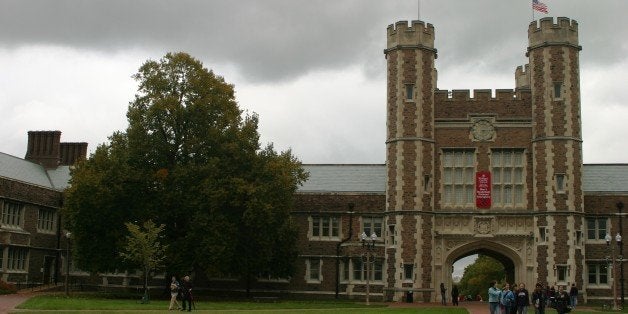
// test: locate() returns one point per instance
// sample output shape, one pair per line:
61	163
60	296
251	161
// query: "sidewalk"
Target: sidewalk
10	301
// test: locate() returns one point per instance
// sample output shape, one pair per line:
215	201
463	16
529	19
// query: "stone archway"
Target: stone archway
511	258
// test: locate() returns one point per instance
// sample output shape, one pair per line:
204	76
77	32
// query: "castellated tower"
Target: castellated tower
556	148
411	76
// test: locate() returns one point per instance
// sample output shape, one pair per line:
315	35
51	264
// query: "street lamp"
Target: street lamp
620	206
611	259
68	235
368	244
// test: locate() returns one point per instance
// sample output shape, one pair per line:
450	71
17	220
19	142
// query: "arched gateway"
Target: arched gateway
500	175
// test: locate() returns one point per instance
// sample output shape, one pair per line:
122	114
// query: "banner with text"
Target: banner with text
483	189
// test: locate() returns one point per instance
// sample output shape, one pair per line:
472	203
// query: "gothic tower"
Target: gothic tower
411	76
556	149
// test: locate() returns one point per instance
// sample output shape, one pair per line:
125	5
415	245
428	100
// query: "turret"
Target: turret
522	77
410	149
556	144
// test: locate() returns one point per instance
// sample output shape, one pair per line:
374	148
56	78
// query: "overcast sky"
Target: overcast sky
314	71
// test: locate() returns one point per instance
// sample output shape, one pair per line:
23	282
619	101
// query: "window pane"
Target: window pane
603	273
518	176
519	194
458	179
497	175
325	223
518	159
447	176
469	159
496	160
334	226
316	225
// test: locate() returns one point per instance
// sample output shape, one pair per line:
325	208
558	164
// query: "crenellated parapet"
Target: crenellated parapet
481	95
417	34
546	33
522	76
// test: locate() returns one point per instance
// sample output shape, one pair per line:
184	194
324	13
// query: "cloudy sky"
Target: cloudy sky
313	70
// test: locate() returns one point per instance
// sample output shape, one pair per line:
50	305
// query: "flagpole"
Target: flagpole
532	7
419	10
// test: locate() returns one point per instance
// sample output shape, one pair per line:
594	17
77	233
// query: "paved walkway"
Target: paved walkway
10	301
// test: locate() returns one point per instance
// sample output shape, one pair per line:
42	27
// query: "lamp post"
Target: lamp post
620	206
611	259
368	244
68	235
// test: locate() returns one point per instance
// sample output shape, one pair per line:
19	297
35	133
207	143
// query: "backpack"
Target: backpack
507	299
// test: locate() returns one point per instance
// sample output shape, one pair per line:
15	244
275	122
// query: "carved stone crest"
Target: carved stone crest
482	130
484	225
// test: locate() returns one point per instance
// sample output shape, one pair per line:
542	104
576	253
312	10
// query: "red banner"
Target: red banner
483	189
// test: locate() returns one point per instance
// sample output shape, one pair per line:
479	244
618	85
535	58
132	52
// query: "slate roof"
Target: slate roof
609	178
325	178
605	178
18	169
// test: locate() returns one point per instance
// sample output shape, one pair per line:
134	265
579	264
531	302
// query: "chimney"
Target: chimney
72	152
43	148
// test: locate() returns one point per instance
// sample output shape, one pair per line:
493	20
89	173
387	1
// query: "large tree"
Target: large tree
191	160
478	276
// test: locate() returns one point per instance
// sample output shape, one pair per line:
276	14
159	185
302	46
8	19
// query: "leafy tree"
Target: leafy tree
144	249
477	276
191	160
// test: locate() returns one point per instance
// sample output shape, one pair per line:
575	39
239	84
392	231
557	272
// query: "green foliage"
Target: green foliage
190	160
143	247
478	276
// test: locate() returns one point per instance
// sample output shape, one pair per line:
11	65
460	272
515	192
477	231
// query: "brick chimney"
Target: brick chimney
72	152
43	148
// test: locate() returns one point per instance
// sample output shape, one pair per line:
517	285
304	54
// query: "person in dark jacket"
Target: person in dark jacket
454	295
522	299
573	295
186	293
539	299
562	301
443	294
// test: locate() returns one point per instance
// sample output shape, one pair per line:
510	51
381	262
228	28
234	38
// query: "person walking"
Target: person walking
493	298
562	301
539	299
454	295
522	299
186	293
573	295
174	292
443	294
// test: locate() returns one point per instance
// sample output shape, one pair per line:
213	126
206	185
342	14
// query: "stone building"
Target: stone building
498	174
32	242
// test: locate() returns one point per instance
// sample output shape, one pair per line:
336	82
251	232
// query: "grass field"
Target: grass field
99	304
103	303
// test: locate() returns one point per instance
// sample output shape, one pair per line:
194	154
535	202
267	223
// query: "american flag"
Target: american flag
539	6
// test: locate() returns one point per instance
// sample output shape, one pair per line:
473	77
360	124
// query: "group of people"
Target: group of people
517	300
180	290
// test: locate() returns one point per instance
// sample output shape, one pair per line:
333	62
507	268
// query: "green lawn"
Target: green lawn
98	304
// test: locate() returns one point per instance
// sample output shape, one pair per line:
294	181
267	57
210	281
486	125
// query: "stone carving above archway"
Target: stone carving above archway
483	226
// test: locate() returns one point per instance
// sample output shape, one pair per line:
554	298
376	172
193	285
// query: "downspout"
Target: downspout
351	205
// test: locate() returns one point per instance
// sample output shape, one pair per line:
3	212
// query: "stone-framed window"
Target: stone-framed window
597	228
562	274
598	274
508	178
408	272
458	167
558	90
409	92
313	270
373	224
17	259
12	214
324	228
560	182
46	220
359	270
542	235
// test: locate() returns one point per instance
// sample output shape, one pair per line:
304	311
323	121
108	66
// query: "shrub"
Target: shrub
7	288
